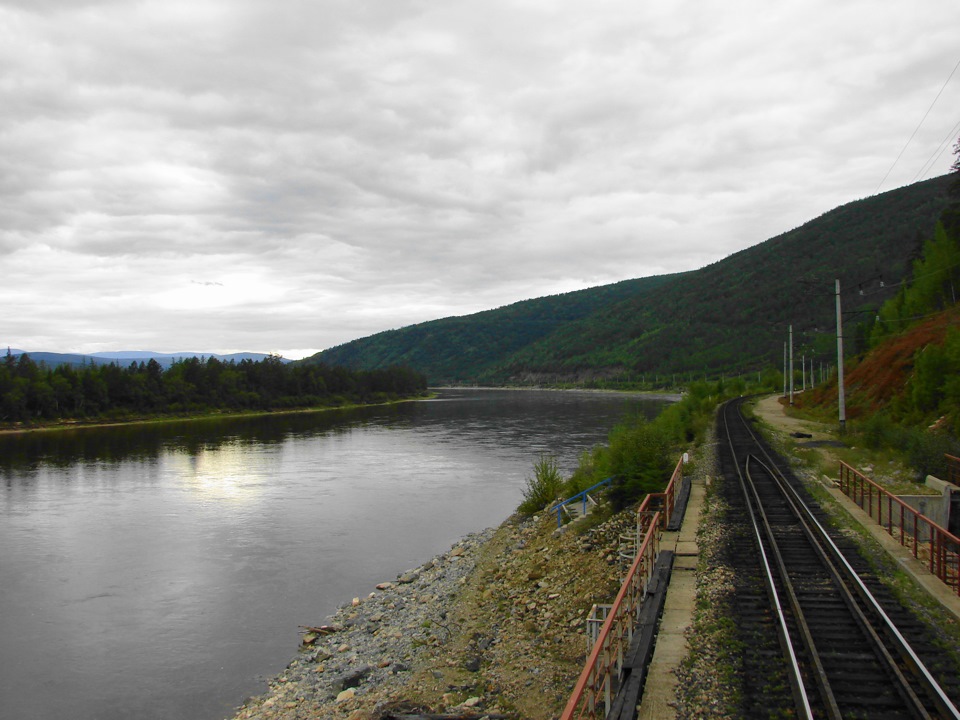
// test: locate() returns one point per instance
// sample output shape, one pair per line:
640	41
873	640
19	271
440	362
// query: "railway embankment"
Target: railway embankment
709	679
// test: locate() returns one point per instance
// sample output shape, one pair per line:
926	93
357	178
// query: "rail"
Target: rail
597	685
928	541
561	506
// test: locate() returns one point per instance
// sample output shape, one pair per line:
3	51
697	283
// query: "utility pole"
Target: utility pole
784	369
840	393
791	366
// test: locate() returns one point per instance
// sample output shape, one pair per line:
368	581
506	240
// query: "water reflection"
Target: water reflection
106	445
225	474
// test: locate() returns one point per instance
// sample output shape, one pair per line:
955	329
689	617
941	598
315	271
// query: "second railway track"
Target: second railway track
823	637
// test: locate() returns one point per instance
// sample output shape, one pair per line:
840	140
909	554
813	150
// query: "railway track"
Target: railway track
822	636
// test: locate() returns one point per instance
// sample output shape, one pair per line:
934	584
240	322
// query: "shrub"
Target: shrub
879	431
639	459
543	488
927	451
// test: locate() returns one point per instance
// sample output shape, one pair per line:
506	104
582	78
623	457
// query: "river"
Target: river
163	570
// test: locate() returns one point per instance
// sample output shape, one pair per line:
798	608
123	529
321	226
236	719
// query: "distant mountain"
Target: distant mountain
729	317
52	359
166	359
125	357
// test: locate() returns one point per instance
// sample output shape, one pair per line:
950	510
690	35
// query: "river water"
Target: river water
163	571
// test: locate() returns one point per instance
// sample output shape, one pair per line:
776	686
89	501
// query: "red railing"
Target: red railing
598	683
665	501
929	542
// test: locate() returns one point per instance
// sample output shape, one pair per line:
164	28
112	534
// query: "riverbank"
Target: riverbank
191	417
493	626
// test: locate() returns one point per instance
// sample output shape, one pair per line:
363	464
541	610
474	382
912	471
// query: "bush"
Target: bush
927	451
543	488
641	453
639	459
879	431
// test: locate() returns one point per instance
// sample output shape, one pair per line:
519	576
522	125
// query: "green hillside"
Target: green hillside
462	349
731	316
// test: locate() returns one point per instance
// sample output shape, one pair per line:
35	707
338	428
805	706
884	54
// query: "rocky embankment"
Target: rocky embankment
495	626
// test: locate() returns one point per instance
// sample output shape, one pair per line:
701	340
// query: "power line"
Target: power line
856	288
885	287
910	319
944	144
918	126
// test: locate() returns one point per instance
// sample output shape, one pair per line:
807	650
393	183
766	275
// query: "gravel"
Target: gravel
494	626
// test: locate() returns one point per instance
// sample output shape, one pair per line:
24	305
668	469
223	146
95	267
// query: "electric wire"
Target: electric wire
906	281
855	289
918	127
932	160
887	321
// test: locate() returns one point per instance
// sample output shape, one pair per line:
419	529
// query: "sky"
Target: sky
289	175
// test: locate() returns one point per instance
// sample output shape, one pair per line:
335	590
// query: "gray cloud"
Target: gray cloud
242	175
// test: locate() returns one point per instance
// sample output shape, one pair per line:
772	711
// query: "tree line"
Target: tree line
35	392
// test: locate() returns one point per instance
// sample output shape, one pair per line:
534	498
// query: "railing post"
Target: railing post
916	549
903	530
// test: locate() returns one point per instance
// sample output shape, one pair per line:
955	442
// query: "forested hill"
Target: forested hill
462	349
731	316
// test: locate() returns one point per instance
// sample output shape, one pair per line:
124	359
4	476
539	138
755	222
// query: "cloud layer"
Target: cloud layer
225	175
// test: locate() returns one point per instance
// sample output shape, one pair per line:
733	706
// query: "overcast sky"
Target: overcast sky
285	176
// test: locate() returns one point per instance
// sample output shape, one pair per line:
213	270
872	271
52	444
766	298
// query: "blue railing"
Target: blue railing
579	496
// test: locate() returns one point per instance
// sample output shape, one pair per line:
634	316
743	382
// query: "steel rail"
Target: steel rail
936	693
794	672
812	654
846	594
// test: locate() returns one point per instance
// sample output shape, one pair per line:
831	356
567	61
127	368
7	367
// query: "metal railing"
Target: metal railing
929	543
599	680
607	646
582	496
666	501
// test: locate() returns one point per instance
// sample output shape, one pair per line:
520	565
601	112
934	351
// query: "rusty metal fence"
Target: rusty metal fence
599	681
929	542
